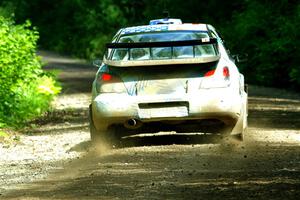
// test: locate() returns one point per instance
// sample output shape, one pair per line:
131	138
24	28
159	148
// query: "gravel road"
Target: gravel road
55	160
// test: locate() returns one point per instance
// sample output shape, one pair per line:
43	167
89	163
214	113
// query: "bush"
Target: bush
25	89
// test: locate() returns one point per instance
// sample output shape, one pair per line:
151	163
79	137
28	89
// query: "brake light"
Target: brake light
106	77
209	73
226	73
219	80
109	83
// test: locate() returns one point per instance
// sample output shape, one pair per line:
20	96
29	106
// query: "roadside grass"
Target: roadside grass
9	137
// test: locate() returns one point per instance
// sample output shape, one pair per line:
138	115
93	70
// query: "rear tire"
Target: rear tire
96	136
110	137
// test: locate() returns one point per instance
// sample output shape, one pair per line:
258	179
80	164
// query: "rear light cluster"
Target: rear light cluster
209	73
226	73
106	77
216	81
109	83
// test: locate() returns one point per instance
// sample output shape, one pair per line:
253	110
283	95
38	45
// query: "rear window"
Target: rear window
161	53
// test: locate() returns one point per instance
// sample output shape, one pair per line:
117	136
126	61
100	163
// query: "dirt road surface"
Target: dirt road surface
55	160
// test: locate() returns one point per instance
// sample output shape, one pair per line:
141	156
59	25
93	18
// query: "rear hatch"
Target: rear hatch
168	79
155	81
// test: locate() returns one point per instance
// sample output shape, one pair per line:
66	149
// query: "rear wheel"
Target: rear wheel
96	136
110	137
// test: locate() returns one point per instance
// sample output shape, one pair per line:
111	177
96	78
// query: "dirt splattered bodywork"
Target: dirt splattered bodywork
159	76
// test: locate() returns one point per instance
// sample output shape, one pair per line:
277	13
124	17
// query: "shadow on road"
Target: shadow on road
75	76
274	119
155	140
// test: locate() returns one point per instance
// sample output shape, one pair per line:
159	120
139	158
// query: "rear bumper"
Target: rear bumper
220	103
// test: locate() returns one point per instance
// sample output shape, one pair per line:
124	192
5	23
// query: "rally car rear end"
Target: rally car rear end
183	86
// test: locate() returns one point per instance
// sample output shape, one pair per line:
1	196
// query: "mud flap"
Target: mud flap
94	134
241	125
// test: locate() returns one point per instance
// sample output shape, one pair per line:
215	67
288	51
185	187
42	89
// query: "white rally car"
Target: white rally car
167	76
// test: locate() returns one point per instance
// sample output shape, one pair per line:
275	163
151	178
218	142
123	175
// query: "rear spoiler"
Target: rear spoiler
203	41
150	62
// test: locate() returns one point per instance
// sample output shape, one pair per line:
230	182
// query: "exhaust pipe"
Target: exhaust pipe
133	124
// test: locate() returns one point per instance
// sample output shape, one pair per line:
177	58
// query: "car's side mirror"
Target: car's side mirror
97	62
240	58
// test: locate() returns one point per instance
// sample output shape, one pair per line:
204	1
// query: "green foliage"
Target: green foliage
7	9
25	90
3	134
77	27
267	31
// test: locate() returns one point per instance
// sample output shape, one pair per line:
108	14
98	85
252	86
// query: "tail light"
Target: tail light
209	73
221	79
226	72
106	77
109	83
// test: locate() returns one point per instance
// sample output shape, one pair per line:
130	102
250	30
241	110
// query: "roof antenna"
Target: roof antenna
166	14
